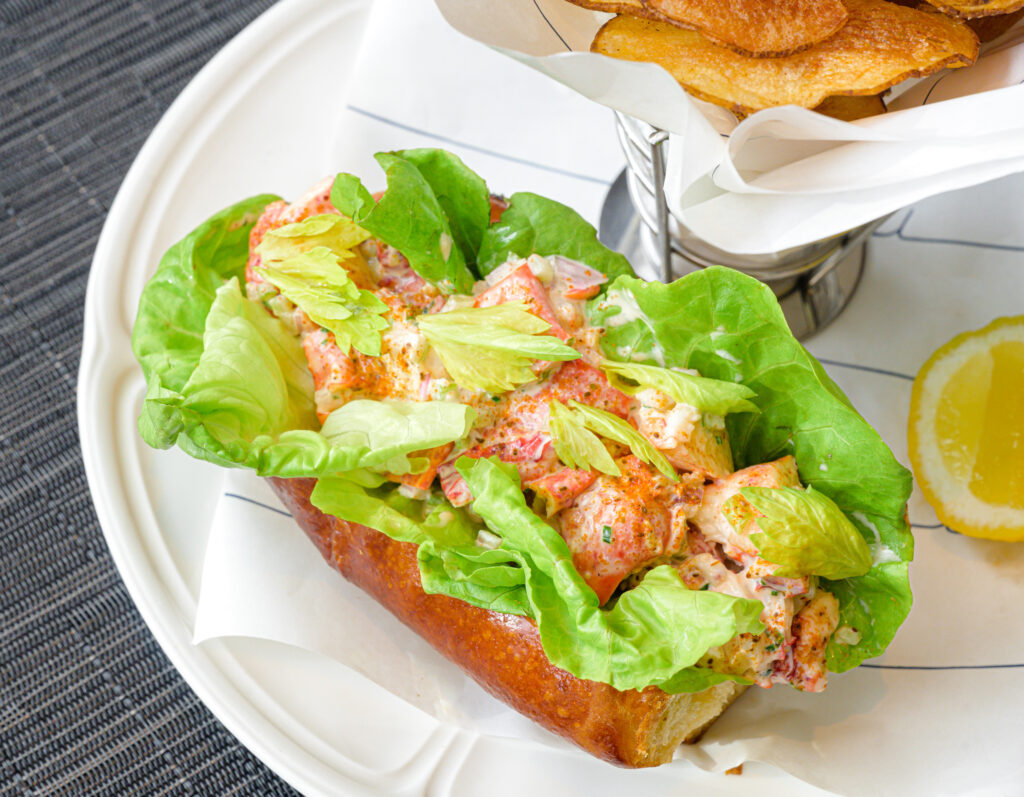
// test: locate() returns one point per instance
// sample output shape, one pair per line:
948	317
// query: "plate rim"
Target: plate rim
104	363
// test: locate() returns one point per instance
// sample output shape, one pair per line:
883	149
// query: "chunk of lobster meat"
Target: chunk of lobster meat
533	457
256	287
813	626
713	520
764	573
689	439
753	656
316	201
621	523
525	413
566	283
575	380
334	371
555	491
454	487
521	285
707	571
434	457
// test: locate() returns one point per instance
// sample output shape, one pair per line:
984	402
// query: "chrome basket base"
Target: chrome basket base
811	299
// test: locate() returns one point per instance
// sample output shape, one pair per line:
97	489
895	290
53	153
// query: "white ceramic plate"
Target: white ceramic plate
255	120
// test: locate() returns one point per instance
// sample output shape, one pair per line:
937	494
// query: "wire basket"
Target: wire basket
813	282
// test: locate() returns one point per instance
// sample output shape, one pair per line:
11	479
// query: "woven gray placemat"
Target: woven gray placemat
89	704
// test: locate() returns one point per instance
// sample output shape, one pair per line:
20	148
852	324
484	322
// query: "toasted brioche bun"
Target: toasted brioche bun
503	653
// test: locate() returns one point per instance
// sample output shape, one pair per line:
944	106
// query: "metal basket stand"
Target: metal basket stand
813	282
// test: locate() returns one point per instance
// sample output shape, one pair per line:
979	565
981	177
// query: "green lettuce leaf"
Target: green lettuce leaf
450	561
252	376
316	282
874	605
652	632
387	431
167	337
410	218
242	407
533	224
460	191
492	348
230	384
576	445
728	326
803	532
614	428
700	392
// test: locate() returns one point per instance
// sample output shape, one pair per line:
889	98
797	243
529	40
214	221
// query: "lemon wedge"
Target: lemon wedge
966	431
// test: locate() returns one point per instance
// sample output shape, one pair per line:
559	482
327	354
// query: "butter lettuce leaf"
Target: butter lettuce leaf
388	431
728	326
228	383
252	376
533	224
654	634
699	392
874	605
410	218
249	403
648	636
450	561
492	348
460	191
167	338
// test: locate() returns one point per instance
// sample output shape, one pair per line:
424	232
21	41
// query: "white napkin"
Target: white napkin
786	176
896	726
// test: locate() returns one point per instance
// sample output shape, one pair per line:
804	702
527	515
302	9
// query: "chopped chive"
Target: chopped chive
606	533
706	586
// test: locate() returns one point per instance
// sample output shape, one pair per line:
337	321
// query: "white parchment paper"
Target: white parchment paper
786	176
940	713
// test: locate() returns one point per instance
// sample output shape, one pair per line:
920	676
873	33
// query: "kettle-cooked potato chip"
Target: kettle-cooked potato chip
758	27
879	46
977	8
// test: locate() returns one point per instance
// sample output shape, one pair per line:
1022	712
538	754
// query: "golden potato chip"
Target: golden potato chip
758	27
849	109
969	9
881	45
